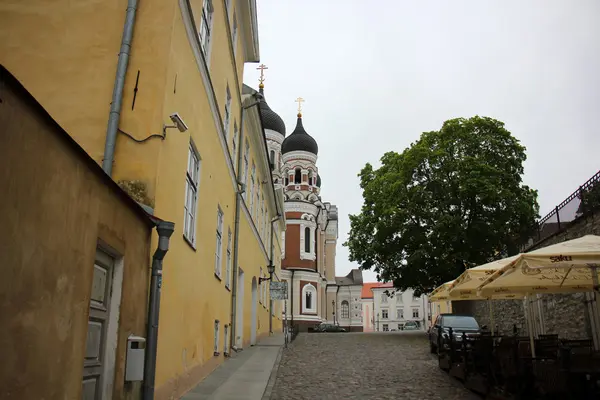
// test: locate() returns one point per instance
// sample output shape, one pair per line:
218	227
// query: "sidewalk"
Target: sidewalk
246	375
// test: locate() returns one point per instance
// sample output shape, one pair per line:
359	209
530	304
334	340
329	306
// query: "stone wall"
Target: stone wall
564	314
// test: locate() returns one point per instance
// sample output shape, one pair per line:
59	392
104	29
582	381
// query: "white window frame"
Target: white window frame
234	33
234	149
416	311
219	243
384	298
385	328
227	112
309	288
228	261
205	28
312	228
246	164
251	194
192	184
345	309
400	313
385	314
216	334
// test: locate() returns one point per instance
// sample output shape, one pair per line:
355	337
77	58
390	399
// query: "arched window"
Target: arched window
345	309
310	177
272	157
307	240
309	296
287	181
298	176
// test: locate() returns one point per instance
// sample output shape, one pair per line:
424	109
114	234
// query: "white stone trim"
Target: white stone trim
313	290
254	230
311	227
299	155
301	206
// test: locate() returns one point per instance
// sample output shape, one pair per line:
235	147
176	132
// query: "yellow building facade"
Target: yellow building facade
190	147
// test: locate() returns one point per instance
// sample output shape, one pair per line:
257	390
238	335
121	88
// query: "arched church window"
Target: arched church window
298	176
272	157
345	309
307	240
287	181
309	295
310	177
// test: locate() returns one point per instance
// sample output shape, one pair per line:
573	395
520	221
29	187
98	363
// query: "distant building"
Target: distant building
392	309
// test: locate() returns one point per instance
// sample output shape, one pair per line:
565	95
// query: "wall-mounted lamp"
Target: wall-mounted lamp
271	269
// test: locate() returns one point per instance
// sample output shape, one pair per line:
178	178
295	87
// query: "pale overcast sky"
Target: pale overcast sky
376	74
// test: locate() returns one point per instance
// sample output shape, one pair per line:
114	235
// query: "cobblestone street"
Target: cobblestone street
364	366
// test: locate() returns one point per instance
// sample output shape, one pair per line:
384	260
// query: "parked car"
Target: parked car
458	323
411	326
323	327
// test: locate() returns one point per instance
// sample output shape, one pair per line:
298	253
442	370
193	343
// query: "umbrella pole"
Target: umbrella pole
491	315
529	318
596	307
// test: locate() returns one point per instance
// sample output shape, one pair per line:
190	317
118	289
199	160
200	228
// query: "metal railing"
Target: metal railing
579	203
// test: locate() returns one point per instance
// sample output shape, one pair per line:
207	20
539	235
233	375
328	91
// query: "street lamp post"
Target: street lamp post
333	310
271	270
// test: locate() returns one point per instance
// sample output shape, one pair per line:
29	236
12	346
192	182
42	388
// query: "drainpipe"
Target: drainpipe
292	295
165	230
117	96
236	231
277	218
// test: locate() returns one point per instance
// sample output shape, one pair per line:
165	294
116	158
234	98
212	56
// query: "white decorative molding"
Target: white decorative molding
299	155
309	288
301	207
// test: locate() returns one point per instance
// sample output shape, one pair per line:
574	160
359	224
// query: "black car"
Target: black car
459	323
323	327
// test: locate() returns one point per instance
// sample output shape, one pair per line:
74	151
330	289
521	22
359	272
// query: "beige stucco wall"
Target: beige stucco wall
57	205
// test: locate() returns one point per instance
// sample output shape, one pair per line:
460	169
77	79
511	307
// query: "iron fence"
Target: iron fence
579	203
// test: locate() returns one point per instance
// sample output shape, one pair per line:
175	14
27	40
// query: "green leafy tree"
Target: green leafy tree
451	201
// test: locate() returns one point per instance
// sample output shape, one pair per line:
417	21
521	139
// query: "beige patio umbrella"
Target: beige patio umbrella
467	284
440	293
567	267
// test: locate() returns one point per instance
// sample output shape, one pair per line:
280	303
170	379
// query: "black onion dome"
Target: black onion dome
270	119
299	140
319	180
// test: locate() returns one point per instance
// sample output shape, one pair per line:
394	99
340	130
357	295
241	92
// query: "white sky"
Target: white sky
376	74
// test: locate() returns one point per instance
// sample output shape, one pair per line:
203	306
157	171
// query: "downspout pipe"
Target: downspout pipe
165	230
117	96
236	230
277	218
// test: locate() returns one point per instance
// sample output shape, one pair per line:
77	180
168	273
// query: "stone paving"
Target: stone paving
394	365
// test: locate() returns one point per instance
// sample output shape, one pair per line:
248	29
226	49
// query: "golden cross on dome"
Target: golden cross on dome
299	100
262	68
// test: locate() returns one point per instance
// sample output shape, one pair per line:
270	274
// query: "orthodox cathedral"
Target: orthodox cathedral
315	295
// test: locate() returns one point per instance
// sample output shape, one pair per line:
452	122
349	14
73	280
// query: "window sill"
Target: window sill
218	277
228	288
189	242
216	354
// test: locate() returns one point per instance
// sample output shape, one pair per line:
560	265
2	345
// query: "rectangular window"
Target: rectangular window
227	113
234	145
384	298
252	188
206	26
400	326
400	313
415	313
191	194
245	174
234	33
384	314
226	339
386	328
216	346
228	261
219	246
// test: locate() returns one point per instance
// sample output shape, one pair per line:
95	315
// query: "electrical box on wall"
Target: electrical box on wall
136	351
